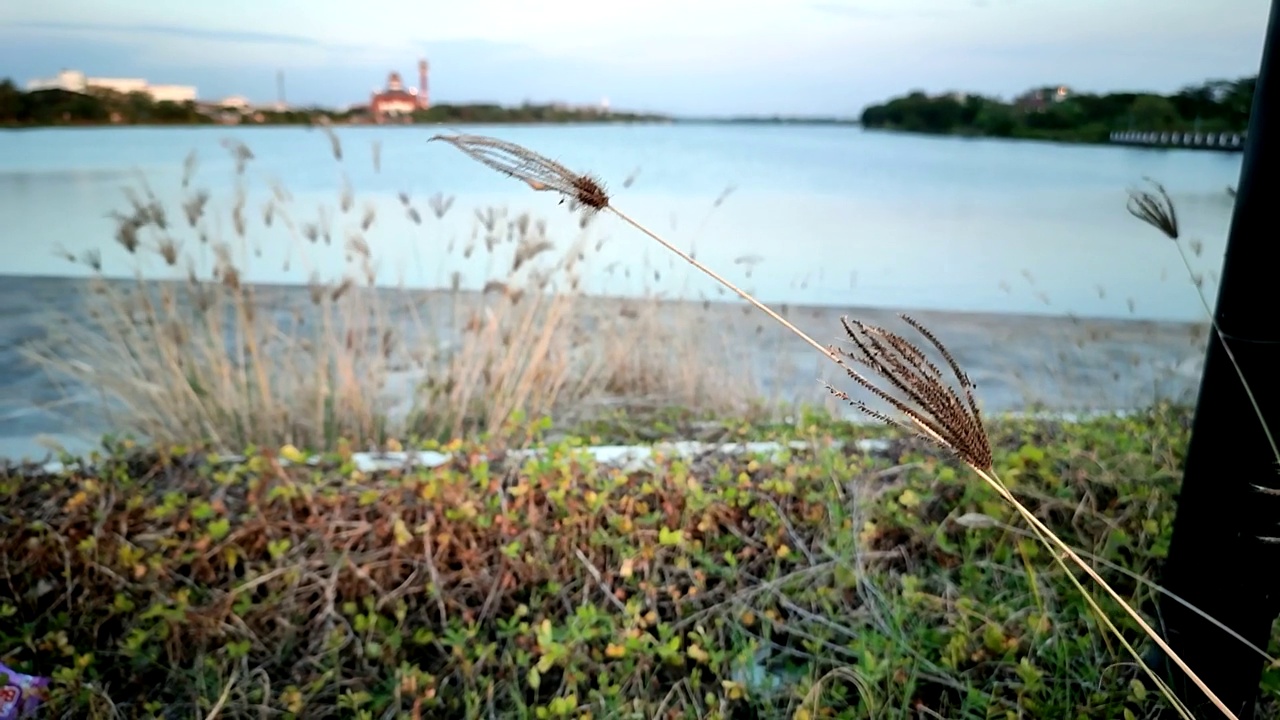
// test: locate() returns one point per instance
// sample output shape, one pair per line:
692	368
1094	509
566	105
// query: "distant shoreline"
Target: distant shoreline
1057	113
336	123
622	120
1079	142
1030	318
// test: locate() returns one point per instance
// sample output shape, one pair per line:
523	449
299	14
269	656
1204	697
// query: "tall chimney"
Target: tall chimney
424	100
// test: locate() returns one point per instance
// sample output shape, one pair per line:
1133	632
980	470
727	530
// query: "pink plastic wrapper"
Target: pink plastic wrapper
20	694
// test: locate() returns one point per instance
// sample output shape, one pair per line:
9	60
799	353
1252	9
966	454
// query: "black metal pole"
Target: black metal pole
1219	559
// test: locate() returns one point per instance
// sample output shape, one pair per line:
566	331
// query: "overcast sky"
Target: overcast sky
829	57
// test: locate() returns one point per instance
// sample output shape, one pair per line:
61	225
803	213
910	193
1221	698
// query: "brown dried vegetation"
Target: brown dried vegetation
213	356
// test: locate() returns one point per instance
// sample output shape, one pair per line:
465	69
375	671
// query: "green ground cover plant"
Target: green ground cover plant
836	580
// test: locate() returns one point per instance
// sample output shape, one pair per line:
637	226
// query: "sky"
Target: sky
683	57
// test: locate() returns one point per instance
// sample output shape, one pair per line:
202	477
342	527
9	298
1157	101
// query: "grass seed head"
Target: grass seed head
538	172
1155	209
933	407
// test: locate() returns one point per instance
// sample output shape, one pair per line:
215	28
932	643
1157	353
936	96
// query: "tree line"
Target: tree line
34	108
1046	113
61	107
526	113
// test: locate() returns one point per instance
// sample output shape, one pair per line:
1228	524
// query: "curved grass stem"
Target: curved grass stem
934	410
1047	536
725	282
1222	338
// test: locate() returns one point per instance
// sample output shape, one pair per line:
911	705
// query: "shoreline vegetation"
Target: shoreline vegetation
100	108
1059	114
856	571
833	580
1052	113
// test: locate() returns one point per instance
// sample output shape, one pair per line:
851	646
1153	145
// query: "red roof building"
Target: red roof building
397	101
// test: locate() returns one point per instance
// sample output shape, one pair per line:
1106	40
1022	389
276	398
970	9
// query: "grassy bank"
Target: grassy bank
841	580
846	579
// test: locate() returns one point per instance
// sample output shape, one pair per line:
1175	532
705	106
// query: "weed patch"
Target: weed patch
828	582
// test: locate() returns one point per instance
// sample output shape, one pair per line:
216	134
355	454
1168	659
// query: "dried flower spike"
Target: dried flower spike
933	407
1155	209
539	172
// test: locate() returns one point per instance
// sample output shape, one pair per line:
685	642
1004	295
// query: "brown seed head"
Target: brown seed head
933	407
590	192
1155	209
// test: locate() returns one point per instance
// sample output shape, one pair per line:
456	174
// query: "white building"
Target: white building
69	80
124	86
76	81
234	102
171	93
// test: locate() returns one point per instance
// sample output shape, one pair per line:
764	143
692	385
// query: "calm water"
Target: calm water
831	216
806	216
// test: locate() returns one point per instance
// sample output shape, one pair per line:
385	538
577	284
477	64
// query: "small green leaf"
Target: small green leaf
909	498
534	679
219	528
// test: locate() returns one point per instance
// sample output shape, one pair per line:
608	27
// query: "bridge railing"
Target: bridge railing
1217	141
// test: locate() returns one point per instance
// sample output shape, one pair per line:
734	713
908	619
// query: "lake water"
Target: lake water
836	215
807	216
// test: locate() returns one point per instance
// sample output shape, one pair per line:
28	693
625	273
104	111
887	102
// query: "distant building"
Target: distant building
171	93
1041	98
562	106
124	86
397	101
234	102
76	82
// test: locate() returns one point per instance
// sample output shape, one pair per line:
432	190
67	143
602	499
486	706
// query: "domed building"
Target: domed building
397	101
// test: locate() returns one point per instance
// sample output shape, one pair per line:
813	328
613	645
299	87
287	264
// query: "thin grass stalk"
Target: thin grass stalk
1051	540
727	284
512	366
1157	587
1160	213
542	174
523	371
468	368
994	481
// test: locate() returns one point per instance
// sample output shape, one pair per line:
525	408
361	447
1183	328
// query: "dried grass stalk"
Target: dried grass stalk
931	408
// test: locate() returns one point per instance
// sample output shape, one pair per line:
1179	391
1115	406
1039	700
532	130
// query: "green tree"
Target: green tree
10	102
1216	106
996	120
1153	112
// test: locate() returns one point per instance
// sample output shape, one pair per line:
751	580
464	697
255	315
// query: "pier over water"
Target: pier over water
1225	141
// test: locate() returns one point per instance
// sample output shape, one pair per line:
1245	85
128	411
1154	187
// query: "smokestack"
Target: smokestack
424	100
